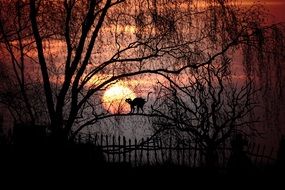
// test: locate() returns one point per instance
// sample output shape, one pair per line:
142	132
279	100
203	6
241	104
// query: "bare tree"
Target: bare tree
207	108
20	89
78	48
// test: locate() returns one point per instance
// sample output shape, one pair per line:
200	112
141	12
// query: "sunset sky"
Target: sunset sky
138	83
276	9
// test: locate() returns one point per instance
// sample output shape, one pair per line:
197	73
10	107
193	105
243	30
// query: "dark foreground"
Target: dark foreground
73	175
72	167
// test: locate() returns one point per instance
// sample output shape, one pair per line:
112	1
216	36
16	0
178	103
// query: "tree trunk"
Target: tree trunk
211	157
58	134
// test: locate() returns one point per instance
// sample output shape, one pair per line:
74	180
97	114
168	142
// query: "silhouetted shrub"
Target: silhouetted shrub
239	162
281	154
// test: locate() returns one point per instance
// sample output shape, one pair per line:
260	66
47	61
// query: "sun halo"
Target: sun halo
114	98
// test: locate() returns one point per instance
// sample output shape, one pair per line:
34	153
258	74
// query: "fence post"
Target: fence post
183	153
124	149
270	156
119	145
101	140
257	154
195	153
155	151
130	151
79	138
136	146
170	150
141	155
114	148
107	148
96	138
161	150
189	153
178	154
89	138
147	151
261	159
252	148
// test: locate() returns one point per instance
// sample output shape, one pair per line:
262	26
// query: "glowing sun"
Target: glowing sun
114	99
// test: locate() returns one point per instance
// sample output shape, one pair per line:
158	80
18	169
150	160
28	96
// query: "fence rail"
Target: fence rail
154	151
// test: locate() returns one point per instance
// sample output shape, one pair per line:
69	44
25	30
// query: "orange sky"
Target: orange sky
277	10
276	7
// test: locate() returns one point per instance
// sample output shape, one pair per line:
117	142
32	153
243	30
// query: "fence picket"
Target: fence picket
262	153
170	150
195	154
124	150
155	151
147	151
189	153
89	138
257	153
96	138
119	152
162	151
113	146
269	156
101	139
129	150
107	148
183	154
141	154
178	154
136	148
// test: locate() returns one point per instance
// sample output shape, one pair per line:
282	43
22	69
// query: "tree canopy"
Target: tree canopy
69	51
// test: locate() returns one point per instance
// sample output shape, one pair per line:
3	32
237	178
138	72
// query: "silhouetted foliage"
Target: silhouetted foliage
2	134
28	134
205	106
281	154
239	162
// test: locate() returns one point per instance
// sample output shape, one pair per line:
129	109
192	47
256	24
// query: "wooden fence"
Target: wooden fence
147	152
